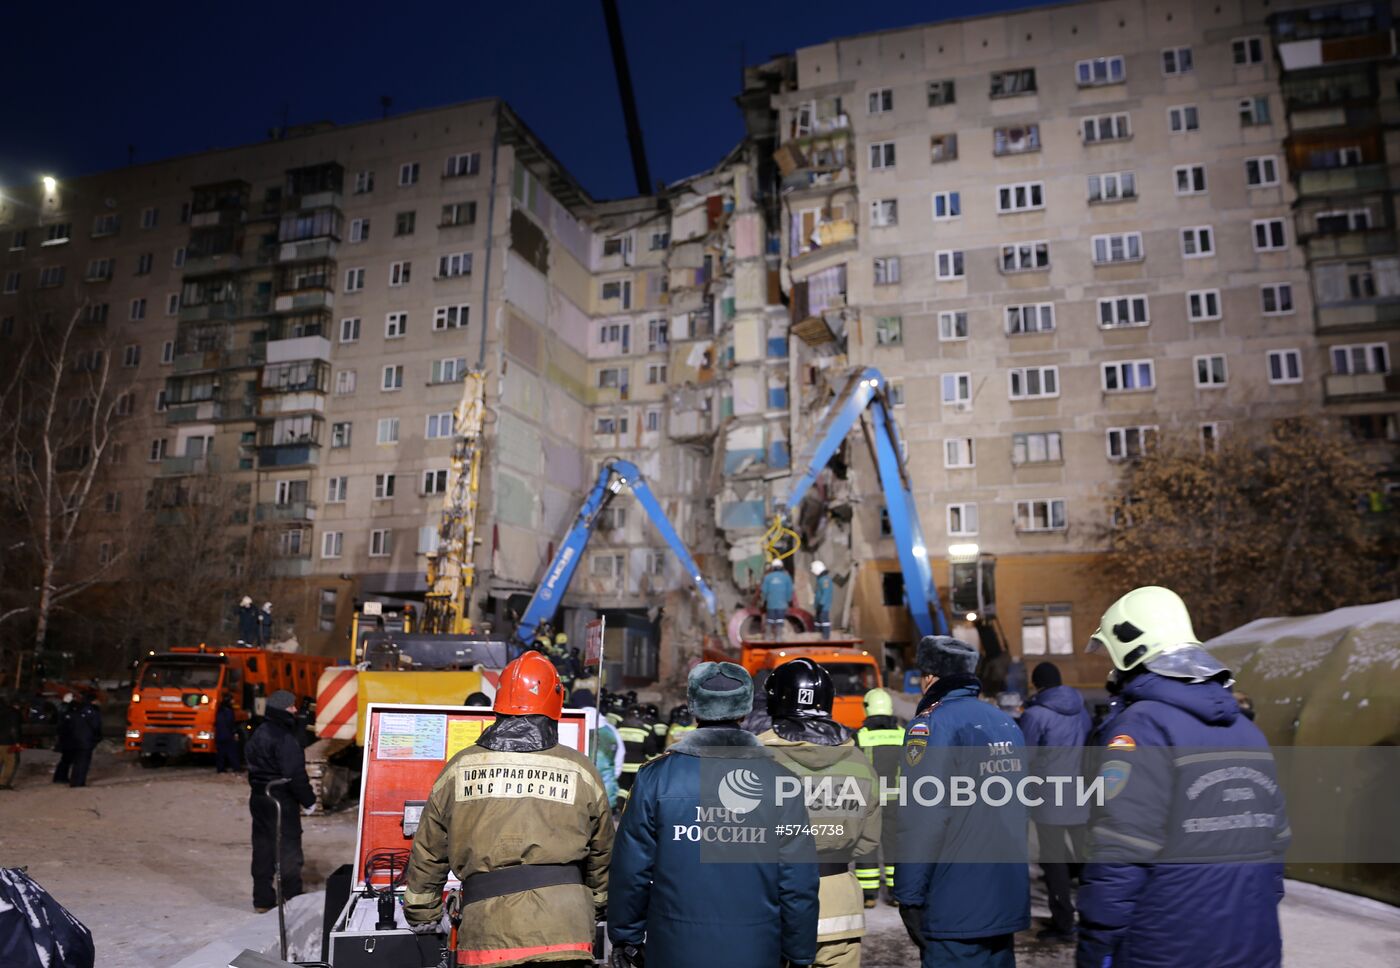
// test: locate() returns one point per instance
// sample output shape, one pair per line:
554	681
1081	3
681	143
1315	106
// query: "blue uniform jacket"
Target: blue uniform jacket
1056	724
1174	795
821	597
694	911
777	591
965	866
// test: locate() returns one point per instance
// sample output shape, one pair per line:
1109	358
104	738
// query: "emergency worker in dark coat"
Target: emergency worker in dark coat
274	753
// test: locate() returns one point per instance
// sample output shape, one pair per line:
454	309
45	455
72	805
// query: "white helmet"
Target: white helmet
246	601
267	606
818	567
1151	627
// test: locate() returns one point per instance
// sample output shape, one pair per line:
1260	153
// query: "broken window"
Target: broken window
1012	83
884	212
887	270
941	92
1031	382
1177	60
962	519
1040	515
1016	140
943	147
1025	256
1190	179
1030	318
1254	110
889	330
1248	50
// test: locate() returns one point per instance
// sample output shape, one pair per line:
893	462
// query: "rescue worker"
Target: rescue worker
225	737
477	699
805	739
79	732
670	908
881	737
962	879
1056	725
821	598
636	739
524	823
247	622
265	624
11	732
656	744
1141	900
681	722
274	753
607	749
777	598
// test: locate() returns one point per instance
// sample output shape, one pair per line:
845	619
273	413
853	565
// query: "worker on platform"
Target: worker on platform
247	621
265	624
807	741
524	823
821	598
881	737
274	753
777	598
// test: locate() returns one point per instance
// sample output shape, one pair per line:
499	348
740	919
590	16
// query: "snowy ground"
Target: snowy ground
153	860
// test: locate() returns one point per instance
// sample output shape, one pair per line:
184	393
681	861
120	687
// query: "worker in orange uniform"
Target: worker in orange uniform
525	824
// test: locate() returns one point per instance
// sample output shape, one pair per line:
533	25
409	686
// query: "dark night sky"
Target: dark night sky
172	78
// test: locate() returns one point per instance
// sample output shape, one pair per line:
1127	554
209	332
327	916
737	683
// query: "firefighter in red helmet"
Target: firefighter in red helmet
524	823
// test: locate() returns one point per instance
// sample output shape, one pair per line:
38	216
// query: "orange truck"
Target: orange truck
176	694
854	671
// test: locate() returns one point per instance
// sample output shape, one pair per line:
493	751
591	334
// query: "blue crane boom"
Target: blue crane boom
613	477
865	390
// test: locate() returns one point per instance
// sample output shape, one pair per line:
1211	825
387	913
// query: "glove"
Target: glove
427	927
629	956
308	811
913	918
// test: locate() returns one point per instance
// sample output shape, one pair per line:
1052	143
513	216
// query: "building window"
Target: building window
1025	256
1128	375
392	378
354	280
1127	443
454	264
1210	435
1210	371
614	377
1030	318
400	273
1112	186
1261	172
660	241
941	93
167	352
126	404
942	147
1099	71
1269	235
332	544
18	240
959	452
340	435
408	174
1343	220
895	391
435	481
383	486
1022	197
889	330
344	383
178	261
99	270
395	327
1013	83
51	277
1183	117
880	102
350	329
656	373
1276	299
387	431
1016	140
439	425
336	489
1285	366
1360	358
138	310
882	154
1107	127
1177	61
1198	242
1203	304
658	338
1254	111
12	282
1122	311
1126	247
359	229
381	540
364	182
131	355
962	519
1041	448
1033	382
1047	629
459	166
1040	515
608	426
952	325
947	206
884	212
59	233
1190	179
458	213
950	264
158	449
405	222
1248	50
451	370
887	270
172	304
957	389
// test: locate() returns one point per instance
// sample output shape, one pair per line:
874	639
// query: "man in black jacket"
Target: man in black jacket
79	730
274	754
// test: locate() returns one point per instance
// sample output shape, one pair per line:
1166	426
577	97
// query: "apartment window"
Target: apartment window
435	481
658	335
1042	448
1025	256
1021	197
364	182
1360	358
884	212
613	377
1269	235
336	488
1016	140
1198	242
359	229
7	326
332	544
144	262
450	370
138	309
107	223
962	519
1013	83
959	452
1276	299
51	277
942	147
880	102
1261	172
941	93
1125	247
340	435
1343	220
895	391
381	540
1128	443
610	425
18	240
1183	117
459	166
1122	311
1047	628
1285	366
149	217
458	213
1033	382
58	233
451	317
354	280
392	378
1190	179
608	566
882	154
656	373
350	329
167	352
12	282
1210	434
1248	50
1040	515
887	270
1127	375
1203	304
157	450
1210	371
454	264
946	206
400	273
395	327
957	388
1254	111
131	355
652	421
439	425
1177	61
178	260
1107	127
408	174
659	241
952	325
889	330
1112	186
96	313
611	290
950	264
344	383
618	245
1030	318
1099	71
387	431
126	403
404	223
112	502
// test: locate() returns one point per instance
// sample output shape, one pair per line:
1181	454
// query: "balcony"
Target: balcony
289	455
298	348
1358	317
292	302
201	411
308	250
323	199
1338	181
185	466
1362	242
1301	55
286	511
205	311
1352	386
199	361
291	567
222	262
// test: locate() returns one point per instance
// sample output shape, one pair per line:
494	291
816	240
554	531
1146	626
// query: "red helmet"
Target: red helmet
530	684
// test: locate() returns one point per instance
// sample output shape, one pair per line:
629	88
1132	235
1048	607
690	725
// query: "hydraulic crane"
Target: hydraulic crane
865	391
451	572
613	477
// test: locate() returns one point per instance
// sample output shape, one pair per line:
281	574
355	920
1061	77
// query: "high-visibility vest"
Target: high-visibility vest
635	737
867	738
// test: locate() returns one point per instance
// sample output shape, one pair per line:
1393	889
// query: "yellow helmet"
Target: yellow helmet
561	639
1151	627
878	703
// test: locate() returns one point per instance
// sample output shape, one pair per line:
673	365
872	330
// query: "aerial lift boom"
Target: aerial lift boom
451	572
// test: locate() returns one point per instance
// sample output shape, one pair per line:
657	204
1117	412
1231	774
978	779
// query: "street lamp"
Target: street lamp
50	183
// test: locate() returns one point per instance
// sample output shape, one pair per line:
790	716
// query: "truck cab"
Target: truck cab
173	702
853	670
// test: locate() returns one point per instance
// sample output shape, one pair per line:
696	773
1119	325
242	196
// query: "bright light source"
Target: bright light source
50	183
972	616
968	550
919	551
